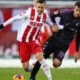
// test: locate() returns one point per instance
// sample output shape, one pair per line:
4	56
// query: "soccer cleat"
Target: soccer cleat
32	79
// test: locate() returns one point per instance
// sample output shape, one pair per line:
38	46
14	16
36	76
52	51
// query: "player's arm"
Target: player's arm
18	17
53	15
55	18
58	20
77	45
52	23
48	21
77	40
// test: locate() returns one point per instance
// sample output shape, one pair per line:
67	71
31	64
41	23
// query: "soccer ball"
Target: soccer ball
18	77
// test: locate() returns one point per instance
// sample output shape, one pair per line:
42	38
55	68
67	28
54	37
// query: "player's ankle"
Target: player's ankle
32	78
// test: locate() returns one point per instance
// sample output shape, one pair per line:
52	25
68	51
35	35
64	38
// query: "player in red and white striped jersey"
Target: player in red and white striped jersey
46	30
28	39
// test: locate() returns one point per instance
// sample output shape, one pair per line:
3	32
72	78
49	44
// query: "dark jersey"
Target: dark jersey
66	18
59	41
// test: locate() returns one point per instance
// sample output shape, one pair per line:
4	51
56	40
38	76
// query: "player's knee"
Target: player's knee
39	56
56	63
26	67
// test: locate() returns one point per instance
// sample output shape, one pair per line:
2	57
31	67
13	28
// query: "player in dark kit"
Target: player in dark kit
67	16
59	42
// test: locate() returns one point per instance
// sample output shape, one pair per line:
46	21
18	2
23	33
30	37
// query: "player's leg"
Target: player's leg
24	54
58	57
27	67
47	51
59	54
36	69
44	65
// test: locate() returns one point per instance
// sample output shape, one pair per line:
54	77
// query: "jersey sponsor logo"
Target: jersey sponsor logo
36	24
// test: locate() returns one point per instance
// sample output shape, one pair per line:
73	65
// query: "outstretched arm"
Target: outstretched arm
18	17
77	45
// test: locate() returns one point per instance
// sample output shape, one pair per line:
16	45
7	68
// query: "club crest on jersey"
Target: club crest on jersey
32	18
44	20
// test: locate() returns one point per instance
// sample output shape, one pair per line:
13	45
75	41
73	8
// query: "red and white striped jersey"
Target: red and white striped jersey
30	28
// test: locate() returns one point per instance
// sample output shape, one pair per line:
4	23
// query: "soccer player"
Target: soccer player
60	40
28	39
76	15
46	30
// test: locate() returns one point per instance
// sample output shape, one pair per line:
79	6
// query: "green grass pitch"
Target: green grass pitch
57	73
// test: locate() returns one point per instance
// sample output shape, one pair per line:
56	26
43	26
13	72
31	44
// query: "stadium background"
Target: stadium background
9	60
8	42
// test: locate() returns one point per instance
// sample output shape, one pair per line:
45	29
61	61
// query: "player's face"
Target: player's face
40	8
76	12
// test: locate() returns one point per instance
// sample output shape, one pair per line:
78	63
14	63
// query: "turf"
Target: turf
57	73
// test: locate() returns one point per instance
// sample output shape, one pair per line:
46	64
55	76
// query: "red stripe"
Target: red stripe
44	17
32	34
38	18
32	14
25	33
37	33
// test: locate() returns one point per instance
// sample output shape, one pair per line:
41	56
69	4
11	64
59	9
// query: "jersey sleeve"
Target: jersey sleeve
57	20
20	16
53	15
48	21
77	40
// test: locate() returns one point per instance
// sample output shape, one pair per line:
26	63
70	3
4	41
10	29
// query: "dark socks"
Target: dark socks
35	69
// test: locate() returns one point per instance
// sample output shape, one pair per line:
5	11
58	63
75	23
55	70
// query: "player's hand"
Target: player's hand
55	28
1	26
76	56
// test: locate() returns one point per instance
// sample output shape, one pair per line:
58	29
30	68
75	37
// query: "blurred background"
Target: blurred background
8	42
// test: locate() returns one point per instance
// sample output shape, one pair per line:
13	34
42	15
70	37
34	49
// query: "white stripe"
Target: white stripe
36	33
35	16
29	33
41	20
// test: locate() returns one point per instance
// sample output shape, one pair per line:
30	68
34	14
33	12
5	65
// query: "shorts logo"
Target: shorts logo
37	42
61	55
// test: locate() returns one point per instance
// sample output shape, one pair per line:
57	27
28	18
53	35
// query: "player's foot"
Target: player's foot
32	79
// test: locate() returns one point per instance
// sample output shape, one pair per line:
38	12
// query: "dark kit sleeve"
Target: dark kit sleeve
53	16
78	40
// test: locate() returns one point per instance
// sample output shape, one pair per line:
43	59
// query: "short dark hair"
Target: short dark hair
41	1
77	4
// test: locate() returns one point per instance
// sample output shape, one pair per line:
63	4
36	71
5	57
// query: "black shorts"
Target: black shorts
54	46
